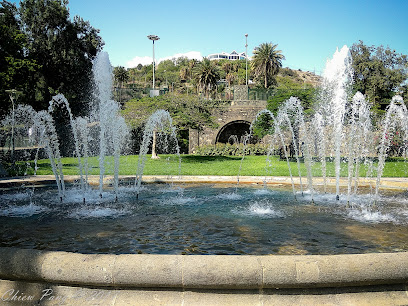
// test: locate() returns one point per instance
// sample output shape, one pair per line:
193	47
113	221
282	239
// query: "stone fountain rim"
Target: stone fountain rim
235	272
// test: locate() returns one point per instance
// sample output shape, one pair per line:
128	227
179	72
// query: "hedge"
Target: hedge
221	149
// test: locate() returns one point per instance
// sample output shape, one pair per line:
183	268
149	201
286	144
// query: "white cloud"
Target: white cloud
147	60
190	55
144	60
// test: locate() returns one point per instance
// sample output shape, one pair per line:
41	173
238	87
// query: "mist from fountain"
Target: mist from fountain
395	124
341	129
159	122
112	127
337	80
83	135
277	138
105	113
290	116
359	140
60	100
44	127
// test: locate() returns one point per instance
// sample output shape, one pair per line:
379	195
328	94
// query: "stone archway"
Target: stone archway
238	128
233	120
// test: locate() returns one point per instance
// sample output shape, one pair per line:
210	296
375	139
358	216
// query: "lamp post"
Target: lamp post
246	58
153	38
152	94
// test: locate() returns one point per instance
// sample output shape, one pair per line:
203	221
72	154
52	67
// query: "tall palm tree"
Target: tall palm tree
266	62
207	75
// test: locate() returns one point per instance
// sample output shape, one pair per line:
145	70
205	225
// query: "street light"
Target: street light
153	38
246	58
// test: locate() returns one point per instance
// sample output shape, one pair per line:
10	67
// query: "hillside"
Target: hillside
295	78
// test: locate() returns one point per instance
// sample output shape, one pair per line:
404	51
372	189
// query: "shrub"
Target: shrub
221	149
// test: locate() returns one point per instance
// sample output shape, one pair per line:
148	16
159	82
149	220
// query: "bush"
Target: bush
221	149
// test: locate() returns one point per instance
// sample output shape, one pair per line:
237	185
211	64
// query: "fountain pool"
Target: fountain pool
202	219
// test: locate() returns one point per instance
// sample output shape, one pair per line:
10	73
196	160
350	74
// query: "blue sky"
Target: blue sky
307	32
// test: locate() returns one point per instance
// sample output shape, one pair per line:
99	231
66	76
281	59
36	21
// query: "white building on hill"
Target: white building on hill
229	56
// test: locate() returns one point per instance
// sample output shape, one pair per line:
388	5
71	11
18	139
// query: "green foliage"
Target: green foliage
306	96
16	69
167	72
378	72
46	53
187	111
166	65
226	149
264	125
175	74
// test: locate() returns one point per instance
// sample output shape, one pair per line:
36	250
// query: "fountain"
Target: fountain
160	121
337	79
181	219
112	127
340	129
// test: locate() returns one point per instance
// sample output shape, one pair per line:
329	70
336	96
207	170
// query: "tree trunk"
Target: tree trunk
154	155
266	78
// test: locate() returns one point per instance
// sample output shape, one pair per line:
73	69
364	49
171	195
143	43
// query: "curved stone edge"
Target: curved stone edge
386	183
204	271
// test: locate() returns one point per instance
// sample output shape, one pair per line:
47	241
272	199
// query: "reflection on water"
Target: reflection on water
203	219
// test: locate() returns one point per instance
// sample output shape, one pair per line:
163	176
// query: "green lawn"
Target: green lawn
211	165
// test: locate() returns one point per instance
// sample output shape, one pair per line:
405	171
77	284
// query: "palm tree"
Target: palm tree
191	64
183	73
266	62
121	75
230	78
207	75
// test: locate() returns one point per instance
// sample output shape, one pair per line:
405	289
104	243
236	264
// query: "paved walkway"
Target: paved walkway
386	183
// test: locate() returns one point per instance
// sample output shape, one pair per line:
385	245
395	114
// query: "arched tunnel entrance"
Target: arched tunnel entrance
233	132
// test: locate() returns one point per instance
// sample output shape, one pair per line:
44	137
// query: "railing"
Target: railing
124	94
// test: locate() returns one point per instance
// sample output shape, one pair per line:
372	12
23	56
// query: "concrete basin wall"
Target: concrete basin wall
203	271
